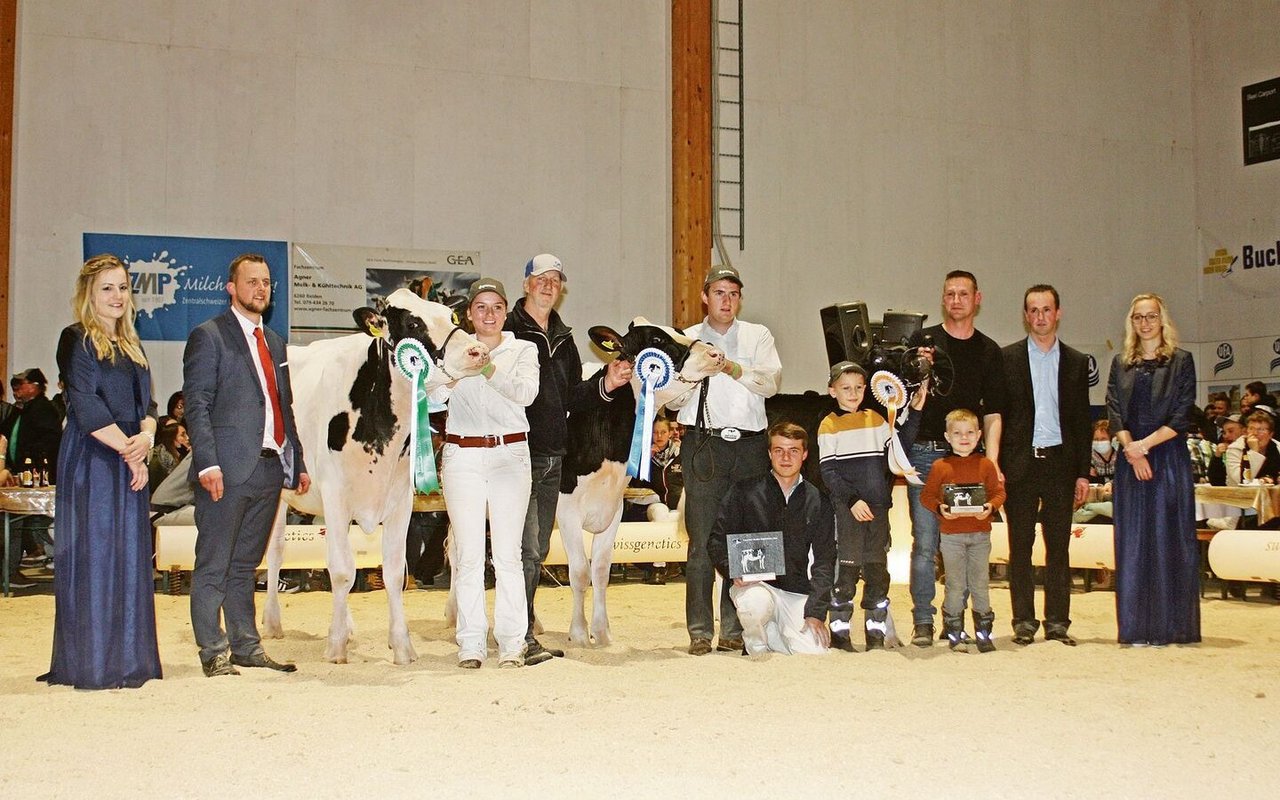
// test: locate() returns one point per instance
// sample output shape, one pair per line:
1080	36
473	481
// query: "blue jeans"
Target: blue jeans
924	536
539	519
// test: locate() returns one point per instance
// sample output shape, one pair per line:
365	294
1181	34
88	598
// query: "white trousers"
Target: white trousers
492	483
773	620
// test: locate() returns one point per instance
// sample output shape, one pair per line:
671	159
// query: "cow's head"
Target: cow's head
407	316
694	359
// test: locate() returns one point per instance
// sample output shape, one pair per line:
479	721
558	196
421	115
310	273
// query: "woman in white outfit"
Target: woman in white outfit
485	473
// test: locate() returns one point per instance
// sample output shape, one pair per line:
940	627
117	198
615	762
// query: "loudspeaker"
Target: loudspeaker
900	326
847	332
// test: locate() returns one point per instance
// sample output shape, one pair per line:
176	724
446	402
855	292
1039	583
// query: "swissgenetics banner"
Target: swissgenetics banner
180	282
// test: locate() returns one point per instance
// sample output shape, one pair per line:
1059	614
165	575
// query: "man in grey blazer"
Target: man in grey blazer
1045	459
245	449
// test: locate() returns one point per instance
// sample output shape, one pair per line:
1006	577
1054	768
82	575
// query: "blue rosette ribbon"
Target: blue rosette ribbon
656	371
413	362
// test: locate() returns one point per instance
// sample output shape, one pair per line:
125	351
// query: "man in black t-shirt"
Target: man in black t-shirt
978	386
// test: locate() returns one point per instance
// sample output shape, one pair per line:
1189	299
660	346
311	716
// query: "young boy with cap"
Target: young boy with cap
852	453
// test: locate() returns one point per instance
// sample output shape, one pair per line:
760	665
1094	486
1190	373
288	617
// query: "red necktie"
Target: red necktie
269	371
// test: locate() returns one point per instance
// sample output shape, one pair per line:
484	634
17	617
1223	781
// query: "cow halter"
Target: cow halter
412	360
443	348
656	371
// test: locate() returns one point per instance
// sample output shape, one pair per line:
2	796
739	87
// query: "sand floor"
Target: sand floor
642	718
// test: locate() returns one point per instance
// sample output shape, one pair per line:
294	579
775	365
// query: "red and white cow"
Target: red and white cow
352	406
594	476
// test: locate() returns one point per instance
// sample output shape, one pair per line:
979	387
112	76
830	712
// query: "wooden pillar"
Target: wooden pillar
8	70
691	185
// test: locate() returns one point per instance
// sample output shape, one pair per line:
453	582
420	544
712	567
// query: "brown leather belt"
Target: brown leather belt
492	440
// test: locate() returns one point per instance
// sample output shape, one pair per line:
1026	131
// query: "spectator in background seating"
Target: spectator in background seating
1263	454
666	480
172	444
1218	407
1102	469
176	412
1231	429
35	431
1255	393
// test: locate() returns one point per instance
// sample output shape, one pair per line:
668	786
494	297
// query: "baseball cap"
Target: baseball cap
486	285
33	375
843	367
1233	418
542	263
722	274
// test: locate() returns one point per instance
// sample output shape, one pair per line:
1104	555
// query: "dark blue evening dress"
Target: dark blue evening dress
1157	555
104	630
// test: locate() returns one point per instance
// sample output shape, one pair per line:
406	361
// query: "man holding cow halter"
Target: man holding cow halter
724	443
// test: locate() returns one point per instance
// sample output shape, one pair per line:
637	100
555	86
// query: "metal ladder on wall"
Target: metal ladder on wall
729	209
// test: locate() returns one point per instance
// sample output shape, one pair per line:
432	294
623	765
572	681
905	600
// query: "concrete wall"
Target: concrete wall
886	143
1234	45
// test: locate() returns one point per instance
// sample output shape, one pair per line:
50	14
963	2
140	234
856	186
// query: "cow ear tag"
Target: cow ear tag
606	338
369	321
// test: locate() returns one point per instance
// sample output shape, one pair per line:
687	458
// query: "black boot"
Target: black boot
878	625
841	641
953	627
982	631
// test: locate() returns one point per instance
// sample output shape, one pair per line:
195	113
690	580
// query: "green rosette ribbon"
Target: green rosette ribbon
413	362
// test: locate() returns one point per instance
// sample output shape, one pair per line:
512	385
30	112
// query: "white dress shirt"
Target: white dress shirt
735	403
480	406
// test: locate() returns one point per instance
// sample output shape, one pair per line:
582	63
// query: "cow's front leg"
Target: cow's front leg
395	530
570	521
271	627
601	563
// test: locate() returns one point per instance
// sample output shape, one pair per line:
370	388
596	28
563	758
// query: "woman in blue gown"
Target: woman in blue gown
104	630
1150	395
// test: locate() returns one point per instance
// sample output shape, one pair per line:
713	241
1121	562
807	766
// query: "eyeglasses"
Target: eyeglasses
1138	319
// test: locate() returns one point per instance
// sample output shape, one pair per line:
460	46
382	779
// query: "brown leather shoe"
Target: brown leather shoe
729	645
700	647
263	660
219	665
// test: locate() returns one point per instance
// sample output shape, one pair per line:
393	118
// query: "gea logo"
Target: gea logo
459	260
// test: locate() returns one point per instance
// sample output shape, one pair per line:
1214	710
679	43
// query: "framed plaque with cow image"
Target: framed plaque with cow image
756	556
964	498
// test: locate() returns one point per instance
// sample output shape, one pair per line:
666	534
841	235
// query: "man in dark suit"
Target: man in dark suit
245	448
1045	460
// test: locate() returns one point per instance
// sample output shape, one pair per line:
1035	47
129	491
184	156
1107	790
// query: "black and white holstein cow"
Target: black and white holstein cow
595	464
353	410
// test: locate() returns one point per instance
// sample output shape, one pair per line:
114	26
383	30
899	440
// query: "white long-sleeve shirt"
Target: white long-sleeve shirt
736	403
480	406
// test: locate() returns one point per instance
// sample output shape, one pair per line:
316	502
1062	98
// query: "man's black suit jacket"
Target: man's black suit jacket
1016	459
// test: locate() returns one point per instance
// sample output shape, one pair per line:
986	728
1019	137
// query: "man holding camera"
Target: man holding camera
978	385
